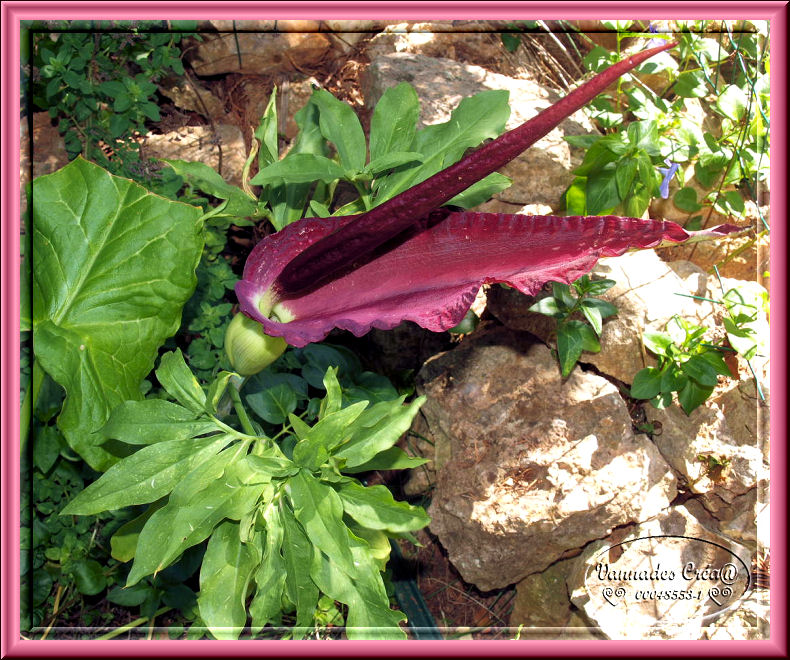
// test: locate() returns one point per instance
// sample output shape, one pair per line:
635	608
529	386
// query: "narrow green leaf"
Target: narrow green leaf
205	497
377	429
329	432
104	297
476	118
319	510
227	569
340	125
150	421
217	390
390	161
266	605
266	134
481	191
375	508
300	168
333	400
145	476
123	544
362	590
209	181
393	458
394	121
175	376
298	553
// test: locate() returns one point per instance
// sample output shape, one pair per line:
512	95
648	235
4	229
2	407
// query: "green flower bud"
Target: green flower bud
249	349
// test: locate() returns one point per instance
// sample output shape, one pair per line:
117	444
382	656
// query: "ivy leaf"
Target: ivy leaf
88	577
112	267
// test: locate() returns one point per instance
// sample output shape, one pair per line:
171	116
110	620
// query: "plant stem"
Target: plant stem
246	424
29	403
133	624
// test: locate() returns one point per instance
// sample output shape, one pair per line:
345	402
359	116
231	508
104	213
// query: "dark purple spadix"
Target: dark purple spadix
371	229
407	260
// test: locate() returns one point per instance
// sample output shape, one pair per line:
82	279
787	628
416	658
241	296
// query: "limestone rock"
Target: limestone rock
259	52
542	173
661	555
537	466
199	143
439	39
717	447
645	295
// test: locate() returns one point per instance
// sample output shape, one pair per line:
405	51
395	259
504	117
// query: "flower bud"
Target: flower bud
249	349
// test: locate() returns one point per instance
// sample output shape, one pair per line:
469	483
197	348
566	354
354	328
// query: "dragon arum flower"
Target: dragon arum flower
412	259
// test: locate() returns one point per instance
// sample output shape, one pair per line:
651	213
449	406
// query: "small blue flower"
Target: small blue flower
654	42
668	172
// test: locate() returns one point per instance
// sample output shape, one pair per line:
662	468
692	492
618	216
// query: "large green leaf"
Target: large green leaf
146	475
227	569
112	266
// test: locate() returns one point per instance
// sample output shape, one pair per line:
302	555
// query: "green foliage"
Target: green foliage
567	304
725	150
101	88
283	518
105	297
304	181
688	364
